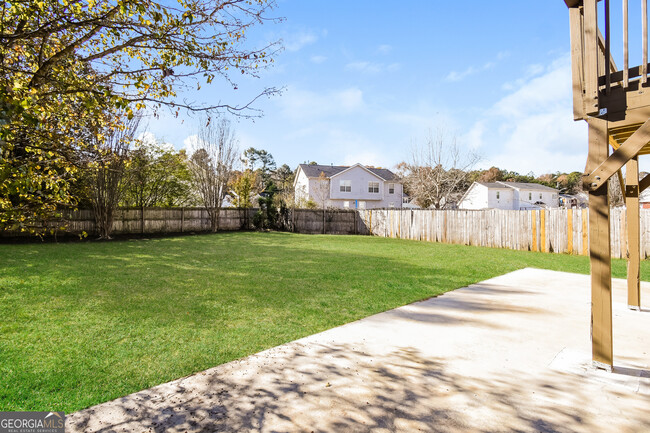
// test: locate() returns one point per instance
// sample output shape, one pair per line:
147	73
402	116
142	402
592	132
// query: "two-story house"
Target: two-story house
509	195
347	187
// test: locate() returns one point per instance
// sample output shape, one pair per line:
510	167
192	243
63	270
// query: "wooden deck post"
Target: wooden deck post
633	234
600	252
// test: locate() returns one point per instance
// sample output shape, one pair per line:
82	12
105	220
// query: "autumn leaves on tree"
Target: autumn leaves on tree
71	71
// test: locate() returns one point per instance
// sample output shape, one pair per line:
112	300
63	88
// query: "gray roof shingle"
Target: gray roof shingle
518	185
531	186
314	170
493	185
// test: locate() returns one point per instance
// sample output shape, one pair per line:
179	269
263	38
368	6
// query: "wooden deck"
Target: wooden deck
615	102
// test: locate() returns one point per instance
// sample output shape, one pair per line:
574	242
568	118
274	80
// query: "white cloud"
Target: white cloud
532	128
304	104
530	72
474	138
363	67
148	138
191	143
299	40
376	159
318	59
370	67
455	76
350	99
384	49
420	118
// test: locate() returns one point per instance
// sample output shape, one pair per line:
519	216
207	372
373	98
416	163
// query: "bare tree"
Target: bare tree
106	168
211	165
616	194
438	172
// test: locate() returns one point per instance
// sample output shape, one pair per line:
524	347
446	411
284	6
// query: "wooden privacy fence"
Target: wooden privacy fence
333	221
553	230
135	220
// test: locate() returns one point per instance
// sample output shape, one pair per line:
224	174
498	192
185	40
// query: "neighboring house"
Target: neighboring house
409	203
568	201
353	187
230	199
577	200
509	195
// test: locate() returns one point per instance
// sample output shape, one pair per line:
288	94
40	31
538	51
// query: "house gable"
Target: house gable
347	170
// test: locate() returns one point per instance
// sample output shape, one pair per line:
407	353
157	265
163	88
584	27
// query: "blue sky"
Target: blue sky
364	80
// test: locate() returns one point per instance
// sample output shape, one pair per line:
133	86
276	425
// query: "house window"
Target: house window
346	205
405	199
373	187
530	196
362	205
540	195
345	186
498	195
391	188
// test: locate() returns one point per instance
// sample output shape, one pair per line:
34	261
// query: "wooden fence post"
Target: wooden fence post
533	219
569	223
542	231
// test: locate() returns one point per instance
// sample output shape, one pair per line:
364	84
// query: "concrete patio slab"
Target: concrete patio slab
509	354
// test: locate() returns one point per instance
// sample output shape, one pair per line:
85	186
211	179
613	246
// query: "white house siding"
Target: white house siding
475	198
526	199
505	200
511	196
359	179
481	197
301	186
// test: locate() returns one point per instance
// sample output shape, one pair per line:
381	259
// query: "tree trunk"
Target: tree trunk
103	221
213	213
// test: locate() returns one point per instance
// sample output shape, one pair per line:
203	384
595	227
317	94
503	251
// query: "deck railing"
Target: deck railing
594	70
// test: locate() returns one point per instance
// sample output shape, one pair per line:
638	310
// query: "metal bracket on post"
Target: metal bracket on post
602	366
631	191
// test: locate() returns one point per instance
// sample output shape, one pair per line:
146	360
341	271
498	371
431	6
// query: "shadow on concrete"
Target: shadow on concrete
341	388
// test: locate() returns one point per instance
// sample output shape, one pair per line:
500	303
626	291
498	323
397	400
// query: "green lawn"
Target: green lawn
82	323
